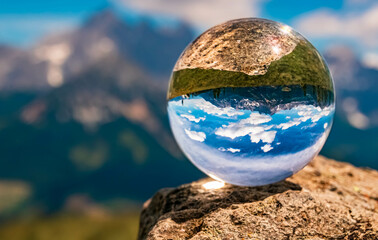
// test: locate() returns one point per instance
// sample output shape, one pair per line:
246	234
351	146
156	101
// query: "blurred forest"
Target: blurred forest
84	133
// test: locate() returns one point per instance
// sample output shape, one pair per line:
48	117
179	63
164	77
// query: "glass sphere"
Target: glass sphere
250	102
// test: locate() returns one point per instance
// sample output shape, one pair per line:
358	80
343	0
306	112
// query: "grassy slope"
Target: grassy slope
303	66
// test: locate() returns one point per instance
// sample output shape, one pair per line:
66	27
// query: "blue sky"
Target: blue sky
275	9
24	22
323	22
51	7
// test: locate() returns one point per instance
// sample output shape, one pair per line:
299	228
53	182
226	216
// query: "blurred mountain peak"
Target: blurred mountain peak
341	52
103	18
52	61
344	65
348	71
356	86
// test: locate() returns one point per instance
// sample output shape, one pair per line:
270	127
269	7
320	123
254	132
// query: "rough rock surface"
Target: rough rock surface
326	200
244	45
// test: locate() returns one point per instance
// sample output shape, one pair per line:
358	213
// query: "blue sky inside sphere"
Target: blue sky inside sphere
249	147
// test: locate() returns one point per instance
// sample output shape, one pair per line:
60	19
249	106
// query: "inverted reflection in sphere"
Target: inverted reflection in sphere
251	102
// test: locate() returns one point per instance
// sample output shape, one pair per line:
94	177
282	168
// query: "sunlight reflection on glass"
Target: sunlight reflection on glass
213	185
276	49
285	29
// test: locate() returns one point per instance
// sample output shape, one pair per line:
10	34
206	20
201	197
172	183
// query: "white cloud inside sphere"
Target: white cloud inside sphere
211	109
266	148
233	150
196	136
246	126
193	118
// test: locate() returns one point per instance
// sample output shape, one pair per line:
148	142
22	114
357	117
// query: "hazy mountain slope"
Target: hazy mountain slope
357	86
55	59
20	71
353	137
104	133
85	113
153	49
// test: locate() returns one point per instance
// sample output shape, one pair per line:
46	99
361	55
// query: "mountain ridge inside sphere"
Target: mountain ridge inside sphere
302	66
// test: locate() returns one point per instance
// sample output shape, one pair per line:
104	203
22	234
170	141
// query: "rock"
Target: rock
326	200
246	45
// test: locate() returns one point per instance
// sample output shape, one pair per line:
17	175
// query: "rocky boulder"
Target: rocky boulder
326	200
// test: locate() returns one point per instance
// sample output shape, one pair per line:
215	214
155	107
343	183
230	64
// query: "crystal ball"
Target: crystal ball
250	102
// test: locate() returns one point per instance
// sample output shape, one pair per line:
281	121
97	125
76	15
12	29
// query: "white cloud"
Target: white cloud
233	150
256	118
245	126
361	26
306	113
264	136
200	13
197	136
290	124
209	108
235	130
258	132
266	148
193	118
309	112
